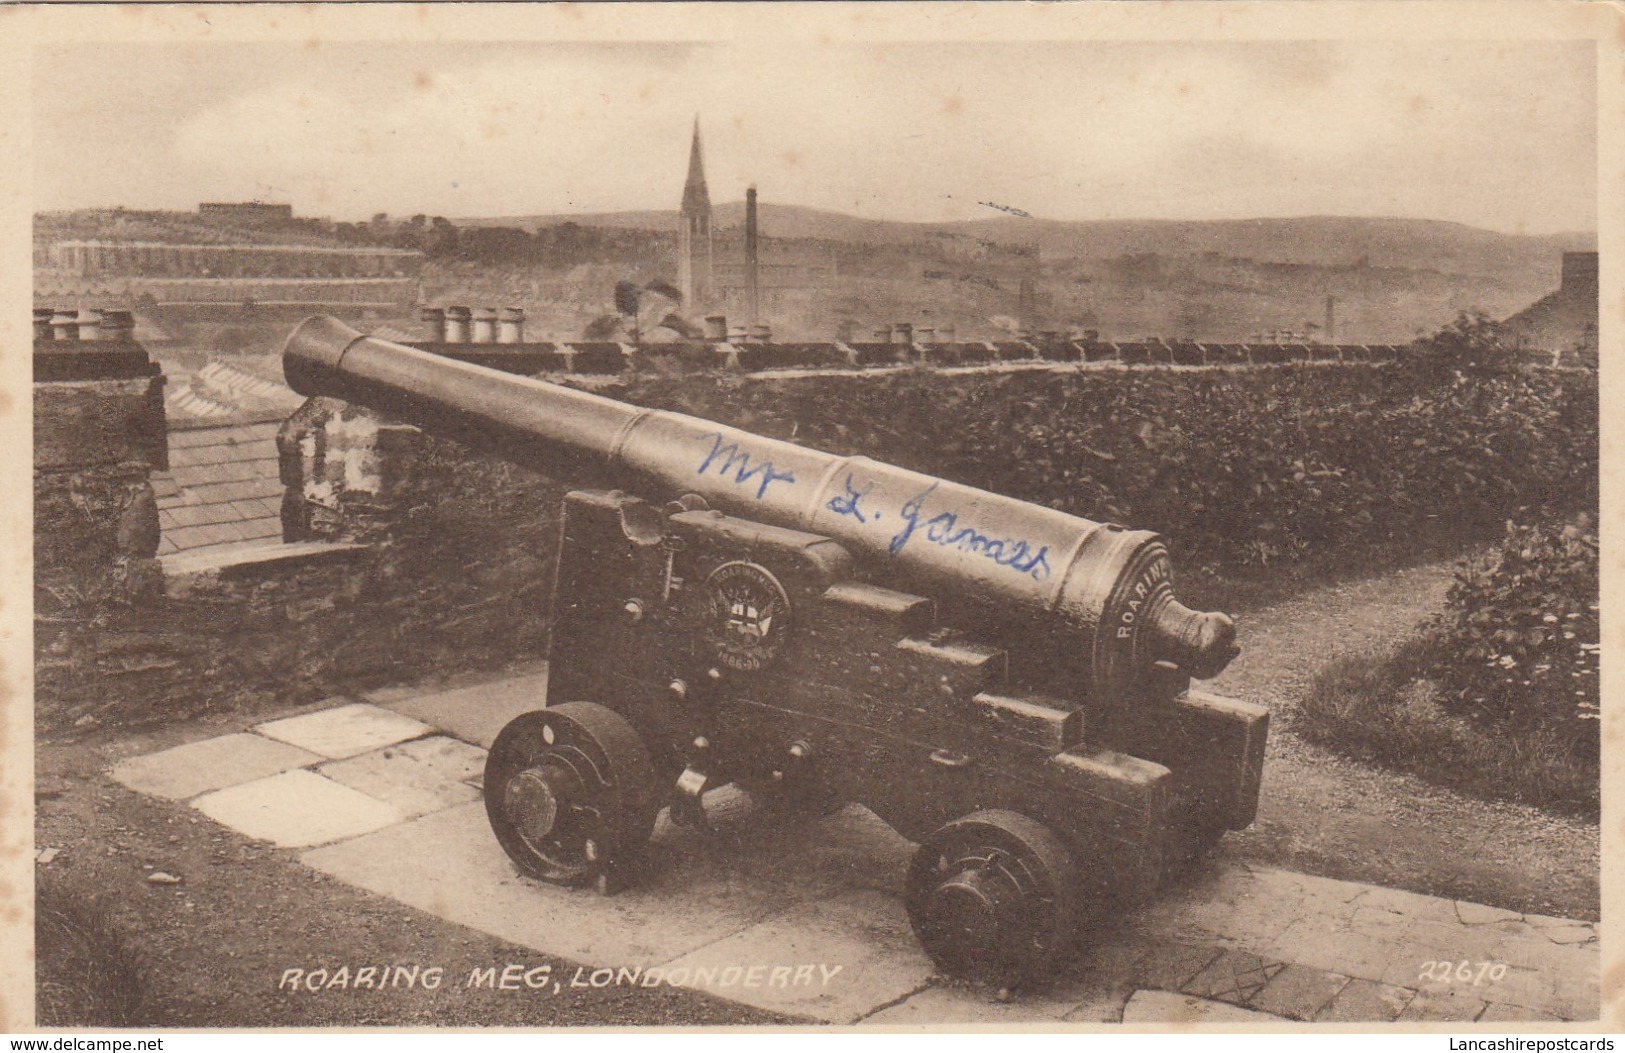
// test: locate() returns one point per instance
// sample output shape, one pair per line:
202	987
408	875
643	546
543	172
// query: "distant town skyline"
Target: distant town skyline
1500	135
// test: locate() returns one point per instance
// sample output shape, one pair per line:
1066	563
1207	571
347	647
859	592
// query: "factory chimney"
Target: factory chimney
1328	333
752	278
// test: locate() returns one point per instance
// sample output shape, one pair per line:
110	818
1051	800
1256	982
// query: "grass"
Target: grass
1375	708
89	972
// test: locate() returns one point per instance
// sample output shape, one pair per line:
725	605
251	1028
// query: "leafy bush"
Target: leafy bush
1520	645
1497	696
1474	342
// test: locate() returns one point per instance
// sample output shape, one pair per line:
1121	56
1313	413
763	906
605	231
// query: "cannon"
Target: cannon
1007	685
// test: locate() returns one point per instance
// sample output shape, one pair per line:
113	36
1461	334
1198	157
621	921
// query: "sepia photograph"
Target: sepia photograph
833	516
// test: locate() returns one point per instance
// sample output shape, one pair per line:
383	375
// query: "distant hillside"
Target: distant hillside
1411	244
1390	279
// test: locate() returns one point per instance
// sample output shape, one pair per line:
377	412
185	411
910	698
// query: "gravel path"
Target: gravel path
1326	815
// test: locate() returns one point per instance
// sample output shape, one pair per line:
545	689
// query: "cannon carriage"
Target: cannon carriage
1007	685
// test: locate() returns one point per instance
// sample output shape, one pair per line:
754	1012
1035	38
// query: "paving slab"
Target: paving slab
1299	992
1479	914
452	758
1228	942
450	865
1453	1005
1365	1002
296	809
1166	1007
1169	965
415	786
345	731
475	713
212	764
1234	976
1497	1012
863	934
947	1003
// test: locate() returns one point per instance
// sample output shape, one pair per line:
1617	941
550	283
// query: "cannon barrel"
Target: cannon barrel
1107	584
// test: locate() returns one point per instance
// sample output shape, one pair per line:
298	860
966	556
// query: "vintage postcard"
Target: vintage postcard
824	516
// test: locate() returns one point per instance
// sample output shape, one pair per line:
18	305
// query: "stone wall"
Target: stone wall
407	557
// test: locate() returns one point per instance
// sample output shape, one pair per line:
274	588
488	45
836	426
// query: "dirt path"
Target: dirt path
1326	815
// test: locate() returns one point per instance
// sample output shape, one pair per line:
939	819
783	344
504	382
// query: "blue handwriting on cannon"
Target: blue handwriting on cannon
847	504
944	529
730	458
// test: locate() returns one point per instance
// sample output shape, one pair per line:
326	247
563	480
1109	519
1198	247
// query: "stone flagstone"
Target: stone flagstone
1364	1002
451	758
212	764
1235	976
864	935
402	778
474	714
1299	992
346	731
762	892
1166	1007
448	863
296	809
944	1002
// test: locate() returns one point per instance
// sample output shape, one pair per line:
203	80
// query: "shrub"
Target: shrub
1498	695
1520	644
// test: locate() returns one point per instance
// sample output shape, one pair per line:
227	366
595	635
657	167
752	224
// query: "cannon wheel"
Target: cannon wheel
993	897
571	793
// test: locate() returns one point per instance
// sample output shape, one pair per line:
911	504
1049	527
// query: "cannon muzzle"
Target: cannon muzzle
1106	587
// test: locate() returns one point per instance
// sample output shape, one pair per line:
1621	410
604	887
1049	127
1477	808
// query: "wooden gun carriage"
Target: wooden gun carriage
1005	684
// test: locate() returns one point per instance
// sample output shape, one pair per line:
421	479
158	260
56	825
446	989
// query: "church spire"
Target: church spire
695	194
694	234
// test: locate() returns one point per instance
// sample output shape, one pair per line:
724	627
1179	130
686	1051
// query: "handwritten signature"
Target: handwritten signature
944	529
847	504
730	458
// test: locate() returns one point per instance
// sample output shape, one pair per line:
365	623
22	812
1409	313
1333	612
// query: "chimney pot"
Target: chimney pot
926	334
434	320
118	325
761	334
485	325
65	325
902	333
716	327
457	318
90	323
42	323
736	334
511	325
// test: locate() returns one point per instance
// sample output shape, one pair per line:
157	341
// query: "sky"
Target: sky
1499	135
